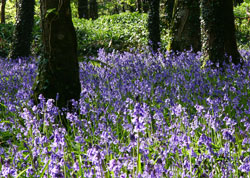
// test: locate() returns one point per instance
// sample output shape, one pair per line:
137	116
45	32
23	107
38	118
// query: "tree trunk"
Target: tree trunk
218	31
83	10
123	7
237	2
139	4
58	70
17	6
3	11
115	10
131	8
185	26
23	29
145	5
169	6
154	24
93	9
231	48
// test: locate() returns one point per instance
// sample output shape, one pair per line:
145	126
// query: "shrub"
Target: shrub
6	31
119	31
242	25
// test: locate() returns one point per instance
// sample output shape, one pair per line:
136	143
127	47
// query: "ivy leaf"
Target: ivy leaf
50	11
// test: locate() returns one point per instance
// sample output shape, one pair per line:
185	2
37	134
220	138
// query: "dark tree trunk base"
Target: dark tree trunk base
185	27
58	69
218	32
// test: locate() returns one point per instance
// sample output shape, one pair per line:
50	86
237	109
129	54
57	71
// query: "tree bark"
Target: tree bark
169	7
23	30
231	48
116	10
218	31
237	2
139	5
123	7
154	24
83	10
58	70
185	26
93	9
3	11
131	8
145	5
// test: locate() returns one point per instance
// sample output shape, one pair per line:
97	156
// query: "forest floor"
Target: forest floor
142	115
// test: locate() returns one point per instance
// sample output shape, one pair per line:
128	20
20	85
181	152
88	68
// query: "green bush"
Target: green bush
119	32
116	32
242	25
6	31
6	34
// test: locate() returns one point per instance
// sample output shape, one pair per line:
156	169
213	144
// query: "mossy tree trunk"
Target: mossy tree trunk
83	10
185	26
218	31
23	29
3	11
154	24
93	9
58	70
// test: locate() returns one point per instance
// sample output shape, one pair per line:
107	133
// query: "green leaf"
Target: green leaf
46	166
22	172
3	105
49	11
5	122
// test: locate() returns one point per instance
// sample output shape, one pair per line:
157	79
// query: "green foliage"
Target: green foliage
119	32
51	11
10	11
242	25
240	11
6	31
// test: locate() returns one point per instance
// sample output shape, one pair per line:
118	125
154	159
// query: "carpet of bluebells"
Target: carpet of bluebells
140	115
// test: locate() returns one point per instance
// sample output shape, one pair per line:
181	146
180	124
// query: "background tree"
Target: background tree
218	31
93	9
169	6
185	26
145	6
230	43
83	10
237	2
139	5
23	29
58	70
132	8
3	11
154	24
